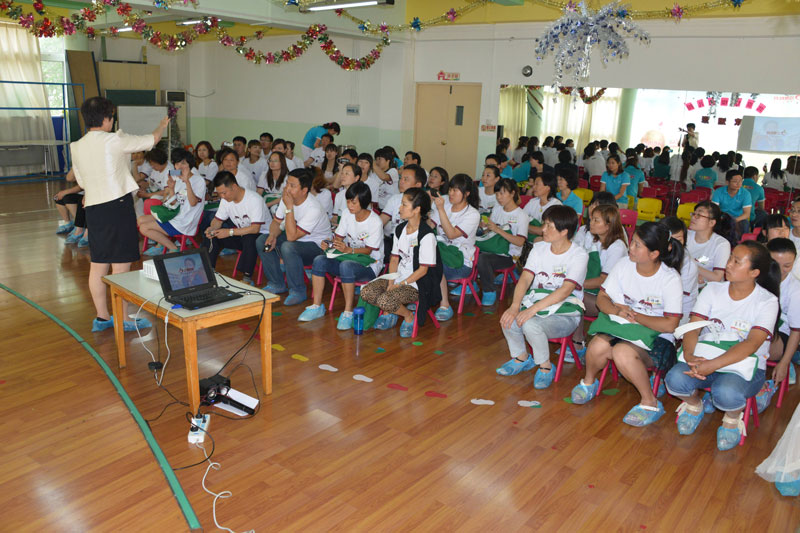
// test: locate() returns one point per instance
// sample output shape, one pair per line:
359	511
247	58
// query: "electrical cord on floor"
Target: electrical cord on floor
217	495
190	419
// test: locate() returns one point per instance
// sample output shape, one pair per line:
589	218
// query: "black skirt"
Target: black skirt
113	235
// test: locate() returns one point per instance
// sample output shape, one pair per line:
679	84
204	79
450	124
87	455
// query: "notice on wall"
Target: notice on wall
448	76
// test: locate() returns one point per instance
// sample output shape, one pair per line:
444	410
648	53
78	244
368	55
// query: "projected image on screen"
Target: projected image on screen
185	271
775	134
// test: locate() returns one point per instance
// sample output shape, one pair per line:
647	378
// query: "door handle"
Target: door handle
444	143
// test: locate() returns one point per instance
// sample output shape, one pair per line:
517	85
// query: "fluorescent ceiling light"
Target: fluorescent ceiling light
122	30
191	22
344	5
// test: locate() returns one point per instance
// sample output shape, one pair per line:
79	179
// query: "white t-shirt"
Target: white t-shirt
298	162
244	179
208	171
594	166
403	248
466	221
658	295
250	210
712	254
735	319
796	240
487	201
387	189
721	175
646	164
325	199
550	155
689	281
514	222
255	169
792	180
317	156
144	168
366	234
374	184
550	271
157	179
188	216
310	218
583	237
518	153
392	210
276	189
534	209
610	256
790	305
340	203
774	182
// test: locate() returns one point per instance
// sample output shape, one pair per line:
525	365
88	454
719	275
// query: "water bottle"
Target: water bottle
358	320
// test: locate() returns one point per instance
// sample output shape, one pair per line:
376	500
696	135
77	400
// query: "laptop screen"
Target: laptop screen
185	271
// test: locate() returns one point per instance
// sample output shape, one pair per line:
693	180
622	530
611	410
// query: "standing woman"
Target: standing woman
313	137
743	311
101	162
456	220
206	167
616	181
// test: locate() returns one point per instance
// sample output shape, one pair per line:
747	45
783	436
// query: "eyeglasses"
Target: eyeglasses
698	215
794	211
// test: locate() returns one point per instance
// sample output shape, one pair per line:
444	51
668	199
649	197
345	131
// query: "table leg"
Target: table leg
265	330
190	354
119	327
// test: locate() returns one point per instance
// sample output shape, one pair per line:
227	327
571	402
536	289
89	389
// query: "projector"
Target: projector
149	270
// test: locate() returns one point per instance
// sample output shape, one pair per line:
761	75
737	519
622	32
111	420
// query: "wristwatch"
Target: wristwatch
230	233
288	211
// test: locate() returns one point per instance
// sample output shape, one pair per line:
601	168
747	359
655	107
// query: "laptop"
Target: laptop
188	279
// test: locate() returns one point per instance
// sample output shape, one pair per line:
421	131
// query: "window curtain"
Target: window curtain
513	112
23	133
578	121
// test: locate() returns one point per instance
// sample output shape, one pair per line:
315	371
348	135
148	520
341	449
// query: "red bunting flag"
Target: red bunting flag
701	103
689	106
724	101
738	102
710	101
761	108
749	104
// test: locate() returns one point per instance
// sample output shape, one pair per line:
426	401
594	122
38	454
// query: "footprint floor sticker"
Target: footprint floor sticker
362	377
328	368
480	401
525	403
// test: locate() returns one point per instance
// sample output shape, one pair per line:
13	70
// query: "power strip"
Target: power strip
199	435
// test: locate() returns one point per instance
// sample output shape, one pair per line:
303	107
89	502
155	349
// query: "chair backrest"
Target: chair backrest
703	194
661	191
524	199
649	209
594	183
649	192
628	219
583	184
685	211
585	195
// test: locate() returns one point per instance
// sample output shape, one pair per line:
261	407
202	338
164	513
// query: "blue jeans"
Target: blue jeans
348	271
295	255
536	330
456	273
729	392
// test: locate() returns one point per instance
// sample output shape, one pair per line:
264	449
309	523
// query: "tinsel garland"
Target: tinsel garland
581	92
50	26
416	24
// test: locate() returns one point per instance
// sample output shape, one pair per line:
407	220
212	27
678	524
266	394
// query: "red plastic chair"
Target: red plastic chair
565	342
656	380
750	409
507	273
783	387
751	236
524	199
628	219
649	192
182	239
594	183
583	184
470	281
416	322
257	268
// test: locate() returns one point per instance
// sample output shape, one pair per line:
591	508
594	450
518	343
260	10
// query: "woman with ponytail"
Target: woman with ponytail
456	220
313	137
643	293
707	241
729	349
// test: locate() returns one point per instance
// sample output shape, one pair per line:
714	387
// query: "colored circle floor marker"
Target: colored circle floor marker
469	314
611	392
417	343
380	350
2	382
244	326
438	352
488	312
568	400
277	313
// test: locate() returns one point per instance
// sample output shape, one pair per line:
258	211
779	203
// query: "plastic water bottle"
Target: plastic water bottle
358	320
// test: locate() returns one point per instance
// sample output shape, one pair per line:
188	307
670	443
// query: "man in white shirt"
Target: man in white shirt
101	162
249	214
306	226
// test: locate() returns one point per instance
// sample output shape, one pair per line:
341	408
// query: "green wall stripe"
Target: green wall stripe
172	480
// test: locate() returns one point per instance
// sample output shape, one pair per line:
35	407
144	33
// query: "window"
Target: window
53	71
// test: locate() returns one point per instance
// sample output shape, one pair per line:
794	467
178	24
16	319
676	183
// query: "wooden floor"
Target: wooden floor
327	452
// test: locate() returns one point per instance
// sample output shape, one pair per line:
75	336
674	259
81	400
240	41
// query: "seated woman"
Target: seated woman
688	268
489	179
456	220
416	261
330	165
510	223
645	290
204	155
707	242
567	182
636	175
320	191
616	181
272	181
584	235
67	202
438	180
608	247
742	313
544	196
705	177
189	190
547	297
360	231
348	175
775	226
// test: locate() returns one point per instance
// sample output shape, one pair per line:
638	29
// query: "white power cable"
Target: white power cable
166	342
217	495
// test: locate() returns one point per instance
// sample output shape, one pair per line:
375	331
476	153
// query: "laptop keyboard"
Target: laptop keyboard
205	296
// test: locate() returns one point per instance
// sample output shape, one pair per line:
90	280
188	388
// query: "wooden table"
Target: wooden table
135	288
